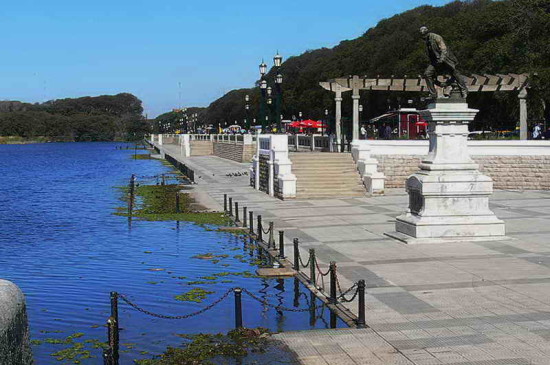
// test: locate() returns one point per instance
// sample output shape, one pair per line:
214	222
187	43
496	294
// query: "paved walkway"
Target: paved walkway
456	303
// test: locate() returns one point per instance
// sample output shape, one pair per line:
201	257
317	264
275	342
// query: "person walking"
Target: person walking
381	131
363	132
387	132
537	131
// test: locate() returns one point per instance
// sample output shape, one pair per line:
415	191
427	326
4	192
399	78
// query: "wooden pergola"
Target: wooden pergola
475	83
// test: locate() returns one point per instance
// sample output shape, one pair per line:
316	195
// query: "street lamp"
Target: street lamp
263	68
247	108
271	95
326	121
300	115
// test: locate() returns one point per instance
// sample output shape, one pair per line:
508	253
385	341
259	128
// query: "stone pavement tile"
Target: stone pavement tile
401	274
368	219
290	234
330	203
327	254
454	249
338	233
342	358
506	248
442	341
501	268
405	303
512	361
313	360
355	273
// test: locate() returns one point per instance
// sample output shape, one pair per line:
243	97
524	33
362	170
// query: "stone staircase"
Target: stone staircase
326	175
201	148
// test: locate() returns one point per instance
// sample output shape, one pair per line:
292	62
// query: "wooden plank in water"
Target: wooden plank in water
276	272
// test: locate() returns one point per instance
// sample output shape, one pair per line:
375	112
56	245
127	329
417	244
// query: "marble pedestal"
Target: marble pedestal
448	197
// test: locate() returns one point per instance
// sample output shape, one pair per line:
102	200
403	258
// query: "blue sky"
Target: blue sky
58	48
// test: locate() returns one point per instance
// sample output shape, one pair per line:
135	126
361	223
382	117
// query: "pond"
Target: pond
63	245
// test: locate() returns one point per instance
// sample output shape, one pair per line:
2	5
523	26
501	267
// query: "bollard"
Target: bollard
251	220
259	228
225	203
114	325
238	308
281	244
361	310
163	182
332	269
237	220
312	273
132	185
244	217
177	202
231	206
296	255
271	239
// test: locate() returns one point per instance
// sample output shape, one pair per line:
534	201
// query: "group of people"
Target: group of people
384	132
539	133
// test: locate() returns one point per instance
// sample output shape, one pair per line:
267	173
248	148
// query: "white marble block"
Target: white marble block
448	197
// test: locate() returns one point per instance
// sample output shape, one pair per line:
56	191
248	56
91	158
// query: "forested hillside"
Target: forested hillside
101	118
508	36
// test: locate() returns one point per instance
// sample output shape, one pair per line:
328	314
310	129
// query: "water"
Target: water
64	248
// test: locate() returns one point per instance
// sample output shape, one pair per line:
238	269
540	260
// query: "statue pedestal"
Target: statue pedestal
448	197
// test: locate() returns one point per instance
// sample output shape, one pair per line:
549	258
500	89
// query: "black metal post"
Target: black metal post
238	308
271	239
178	202
237	220
312	272
361	317
251	220
281	244
231	206
114	329
163	181
259	228
332	269
296	255
244	217
225	203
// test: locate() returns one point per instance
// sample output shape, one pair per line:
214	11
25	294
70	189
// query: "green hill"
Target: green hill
507	36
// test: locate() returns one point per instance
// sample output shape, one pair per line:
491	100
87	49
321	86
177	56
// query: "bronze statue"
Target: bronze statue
442	62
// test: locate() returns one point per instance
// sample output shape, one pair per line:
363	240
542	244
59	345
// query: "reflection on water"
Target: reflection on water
65	249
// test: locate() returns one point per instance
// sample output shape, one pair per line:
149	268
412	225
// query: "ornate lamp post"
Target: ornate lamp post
271	96
247	109
326	122
278	61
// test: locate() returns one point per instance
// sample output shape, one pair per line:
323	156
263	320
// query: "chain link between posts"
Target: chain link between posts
277	307
208	307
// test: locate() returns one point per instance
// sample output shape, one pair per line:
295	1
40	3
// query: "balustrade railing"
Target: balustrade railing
315	142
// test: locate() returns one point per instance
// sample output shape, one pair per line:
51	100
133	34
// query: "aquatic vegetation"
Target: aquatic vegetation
158	203
196	295
76	352
207	348
141	156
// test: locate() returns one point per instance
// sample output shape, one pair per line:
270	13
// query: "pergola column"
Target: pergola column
523	133
355	96
338	118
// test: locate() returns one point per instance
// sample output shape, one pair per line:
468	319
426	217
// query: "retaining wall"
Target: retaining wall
14	330
507	172
235	152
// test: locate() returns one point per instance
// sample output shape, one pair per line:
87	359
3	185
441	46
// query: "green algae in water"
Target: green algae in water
196	295
158	203
141	156
251	345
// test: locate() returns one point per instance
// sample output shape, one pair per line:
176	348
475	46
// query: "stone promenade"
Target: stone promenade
476	303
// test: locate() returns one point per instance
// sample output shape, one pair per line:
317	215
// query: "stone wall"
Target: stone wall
507	172
235	152
14	329
201	148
